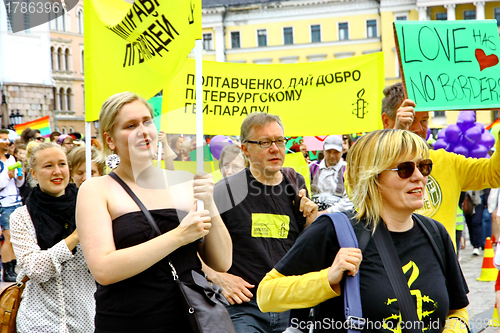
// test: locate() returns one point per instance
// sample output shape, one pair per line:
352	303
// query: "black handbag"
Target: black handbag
203	303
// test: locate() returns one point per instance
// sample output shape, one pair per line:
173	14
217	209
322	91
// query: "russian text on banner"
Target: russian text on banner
450	65
315	98
135	47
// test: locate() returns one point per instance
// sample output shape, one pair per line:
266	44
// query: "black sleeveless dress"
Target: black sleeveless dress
149	302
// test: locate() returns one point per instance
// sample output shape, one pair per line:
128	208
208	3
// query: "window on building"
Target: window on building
288	36
235	40
64	18
470	14
208	43
371	28
9	15
343	31
71	129
497	15
26	18
61	99
59	59
52	56
315	33
443	16
494	115
64	130
66	60
401	17
83	63
398	73
262	37
54	23
79	17
439	114
69	106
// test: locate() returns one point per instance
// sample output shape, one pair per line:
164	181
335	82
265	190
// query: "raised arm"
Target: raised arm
217	249
109	265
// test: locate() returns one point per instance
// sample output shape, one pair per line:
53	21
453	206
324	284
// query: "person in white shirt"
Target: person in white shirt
10	199
59	295
327	178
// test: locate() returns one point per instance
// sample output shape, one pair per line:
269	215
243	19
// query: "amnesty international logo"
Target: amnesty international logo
425	305
432	198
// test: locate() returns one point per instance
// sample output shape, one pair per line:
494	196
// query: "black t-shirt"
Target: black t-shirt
317	247
260	220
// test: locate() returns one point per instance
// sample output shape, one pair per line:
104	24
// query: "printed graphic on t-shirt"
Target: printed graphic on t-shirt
425	305
270	225
432	198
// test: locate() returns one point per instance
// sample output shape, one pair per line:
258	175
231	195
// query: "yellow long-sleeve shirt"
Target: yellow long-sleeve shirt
278	293
451	174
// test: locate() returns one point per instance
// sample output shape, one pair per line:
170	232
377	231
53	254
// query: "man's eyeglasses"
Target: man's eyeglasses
40	138
406	169
268	143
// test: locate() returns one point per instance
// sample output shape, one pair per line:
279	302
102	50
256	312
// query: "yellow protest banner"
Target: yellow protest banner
316	98
136	46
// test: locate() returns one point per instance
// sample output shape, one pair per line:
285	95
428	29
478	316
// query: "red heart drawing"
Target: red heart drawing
484	60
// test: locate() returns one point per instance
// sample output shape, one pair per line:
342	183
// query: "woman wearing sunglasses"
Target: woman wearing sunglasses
387	172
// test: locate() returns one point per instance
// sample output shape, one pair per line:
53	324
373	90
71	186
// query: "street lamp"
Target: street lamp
12	119
19	118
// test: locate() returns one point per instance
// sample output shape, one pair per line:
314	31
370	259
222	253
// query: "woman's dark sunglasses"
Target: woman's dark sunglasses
406	169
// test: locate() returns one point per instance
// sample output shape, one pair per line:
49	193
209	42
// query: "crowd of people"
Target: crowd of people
95	264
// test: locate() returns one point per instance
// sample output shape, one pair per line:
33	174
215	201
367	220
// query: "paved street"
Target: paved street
482	294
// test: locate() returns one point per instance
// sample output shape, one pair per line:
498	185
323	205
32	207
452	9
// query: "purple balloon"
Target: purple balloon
461	150
450	147
480	126
487	139
441	133
465	122
479	151
218	143
471	136
452	134
440	144
467	114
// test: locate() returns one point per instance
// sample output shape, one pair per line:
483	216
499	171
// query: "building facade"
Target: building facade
67	55
26	85
274	32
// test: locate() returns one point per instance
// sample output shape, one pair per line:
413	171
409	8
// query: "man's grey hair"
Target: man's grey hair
393	98
256	120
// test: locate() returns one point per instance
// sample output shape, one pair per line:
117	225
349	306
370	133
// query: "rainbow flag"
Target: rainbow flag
497	121
41	124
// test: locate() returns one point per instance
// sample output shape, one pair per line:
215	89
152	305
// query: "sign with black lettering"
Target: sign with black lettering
136	46
449	65
313	98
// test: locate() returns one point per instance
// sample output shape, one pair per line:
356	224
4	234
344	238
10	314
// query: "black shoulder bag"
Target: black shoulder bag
204	305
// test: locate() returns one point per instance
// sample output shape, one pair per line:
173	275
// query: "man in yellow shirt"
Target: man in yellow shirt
451	173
